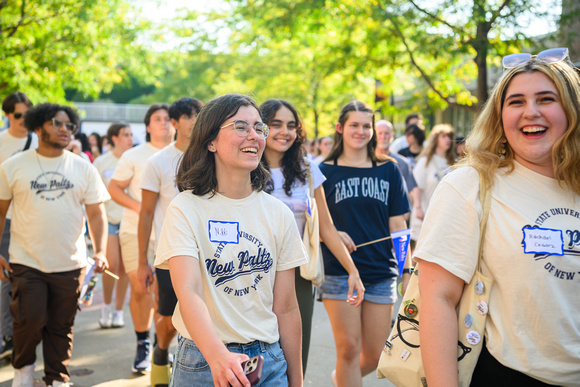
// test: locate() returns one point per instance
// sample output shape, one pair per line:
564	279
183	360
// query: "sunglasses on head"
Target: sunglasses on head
18	116
551	56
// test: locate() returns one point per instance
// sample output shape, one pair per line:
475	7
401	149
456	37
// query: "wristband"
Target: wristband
408	270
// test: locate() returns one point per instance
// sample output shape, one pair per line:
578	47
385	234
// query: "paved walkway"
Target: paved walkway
103	357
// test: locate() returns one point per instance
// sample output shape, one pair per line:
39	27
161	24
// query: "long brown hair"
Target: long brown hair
338	147
197	170
429	150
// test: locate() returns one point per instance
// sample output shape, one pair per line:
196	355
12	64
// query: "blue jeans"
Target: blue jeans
191	369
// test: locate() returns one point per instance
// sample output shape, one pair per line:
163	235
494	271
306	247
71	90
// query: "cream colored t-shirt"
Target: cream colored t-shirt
131	166
533	324
106	164
9	146
427	178
47	195
239	246
160	177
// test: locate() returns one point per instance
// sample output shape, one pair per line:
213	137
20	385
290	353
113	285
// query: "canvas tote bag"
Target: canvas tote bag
401	362
314	269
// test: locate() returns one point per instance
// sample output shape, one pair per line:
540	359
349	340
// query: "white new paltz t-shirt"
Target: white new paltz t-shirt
533	325
239	246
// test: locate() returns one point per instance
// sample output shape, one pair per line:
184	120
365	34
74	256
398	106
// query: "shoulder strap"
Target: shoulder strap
28	142
310	179
485	199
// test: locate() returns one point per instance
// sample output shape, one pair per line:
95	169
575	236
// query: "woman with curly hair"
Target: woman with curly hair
284	157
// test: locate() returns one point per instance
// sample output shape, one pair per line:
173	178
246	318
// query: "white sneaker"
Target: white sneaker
24	377
59	383
106	319
117	319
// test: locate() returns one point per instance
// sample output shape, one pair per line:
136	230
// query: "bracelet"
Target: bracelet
408	270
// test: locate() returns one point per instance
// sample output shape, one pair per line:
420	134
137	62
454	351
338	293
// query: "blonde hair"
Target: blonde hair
432	141
487	136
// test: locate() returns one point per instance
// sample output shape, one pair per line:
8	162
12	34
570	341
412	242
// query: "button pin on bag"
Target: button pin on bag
411	310
473	337
482	308
467	321
479	287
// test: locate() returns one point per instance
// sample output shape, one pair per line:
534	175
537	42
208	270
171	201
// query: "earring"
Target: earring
502	150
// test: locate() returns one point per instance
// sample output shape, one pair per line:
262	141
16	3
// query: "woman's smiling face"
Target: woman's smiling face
533	120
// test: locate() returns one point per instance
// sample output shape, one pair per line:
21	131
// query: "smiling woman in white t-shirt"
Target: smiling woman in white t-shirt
525	146
231	249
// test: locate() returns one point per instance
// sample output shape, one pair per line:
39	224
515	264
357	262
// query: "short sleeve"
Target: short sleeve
292	252
177	236
398	200
151	179
5	191
96	191
124	170
420	172
450	232
317	176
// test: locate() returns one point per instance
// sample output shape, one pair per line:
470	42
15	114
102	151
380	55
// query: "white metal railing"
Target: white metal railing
110	112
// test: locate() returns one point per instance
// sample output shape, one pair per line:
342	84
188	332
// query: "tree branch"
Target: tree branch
458	30
22	14
497	12
426	77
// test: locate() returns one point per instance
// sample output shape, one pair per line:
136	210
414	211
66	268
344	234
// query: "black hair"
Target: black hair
152	109
36	116
84	140
9	103
416	132
184	106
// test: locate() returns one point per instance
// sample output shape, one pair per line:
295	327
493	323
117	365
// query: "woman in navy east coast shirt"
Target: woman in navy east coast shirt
367	200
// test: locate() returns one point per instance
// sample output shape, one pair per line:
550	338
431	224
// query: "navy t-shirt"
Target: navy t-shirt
360	201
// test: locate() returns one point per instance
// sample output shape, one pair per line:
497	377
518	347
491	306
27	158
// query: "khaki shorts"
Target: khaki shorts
130	251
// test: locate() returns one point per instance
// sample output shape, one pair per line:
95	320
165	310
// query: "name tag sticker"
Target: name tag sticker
543	241
224	232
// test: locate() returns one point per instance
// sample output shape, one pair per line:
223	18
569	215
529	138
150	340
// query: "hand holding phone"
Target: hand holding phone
253	369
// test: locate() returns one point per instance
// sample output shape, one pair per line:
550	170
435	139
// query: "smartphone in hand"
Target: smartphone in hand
253	369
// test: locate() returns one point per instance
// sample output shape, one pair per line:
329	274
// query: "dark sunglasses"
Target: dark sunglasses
551	56
18	116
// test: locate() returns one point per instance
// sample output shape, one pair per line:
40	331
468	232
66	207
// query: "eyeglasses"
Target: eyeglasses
242	128
18	116
551	56
68	125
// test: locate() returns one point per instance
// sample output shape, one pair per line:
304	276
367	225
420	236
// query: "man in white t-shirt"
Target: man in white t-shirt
158	188
127	176
48	188
16	139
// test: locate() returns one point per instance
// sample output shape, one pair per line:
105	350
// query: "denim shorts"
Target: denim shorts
335	287
191	369
114	228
